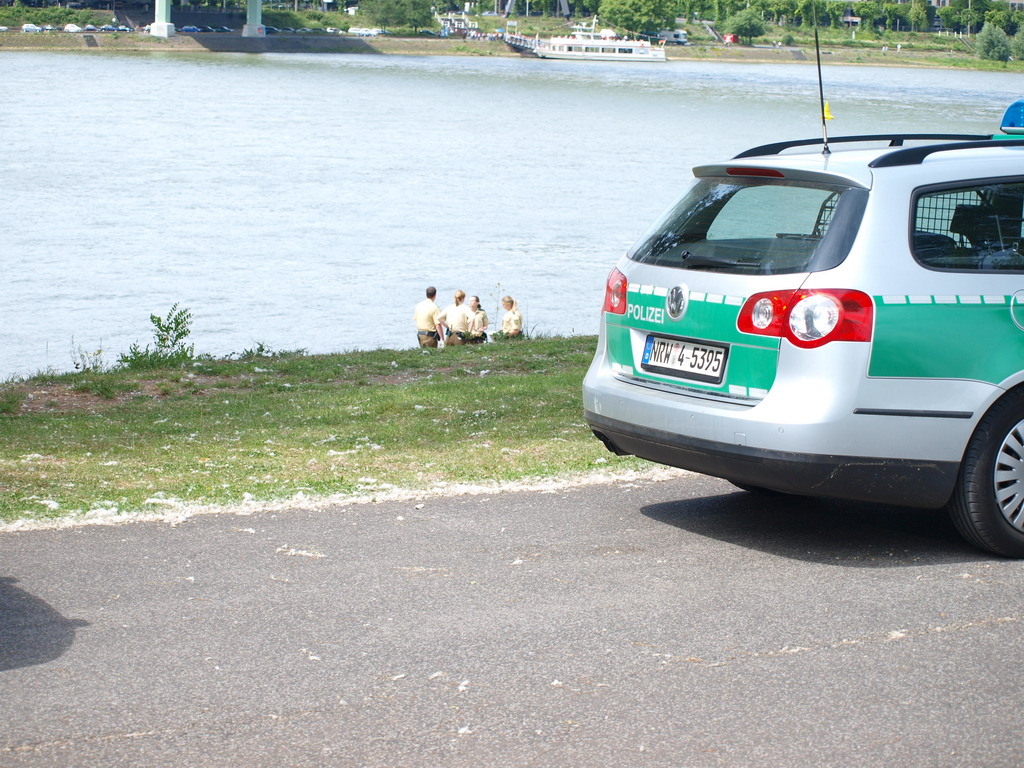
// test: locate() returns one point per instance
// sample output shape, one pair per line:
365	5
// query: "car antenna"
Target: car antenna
821	91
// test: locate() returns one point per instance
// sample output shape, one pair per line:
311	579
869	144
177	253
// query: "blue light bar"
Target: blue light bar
1013	120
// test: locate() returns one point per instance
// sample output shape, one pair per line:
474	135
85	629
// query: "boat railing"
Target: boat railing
520	42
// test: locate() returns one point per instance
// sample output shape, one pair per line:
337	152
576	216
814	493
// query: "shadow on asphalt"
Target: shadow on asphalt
31	632
844	533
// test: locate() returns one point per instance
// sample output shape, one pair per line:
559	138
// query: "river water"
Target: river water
306	201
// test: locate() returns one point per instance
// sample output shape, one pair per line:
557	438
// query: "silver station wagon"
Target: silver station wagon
844	323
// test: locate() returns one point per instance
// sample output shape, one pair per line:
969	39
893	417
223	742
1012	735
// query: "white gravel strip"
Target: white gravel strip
173	511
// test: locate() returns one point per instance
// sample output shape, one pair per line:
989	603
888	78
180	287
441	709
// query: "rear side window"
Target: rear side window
755	227
975	228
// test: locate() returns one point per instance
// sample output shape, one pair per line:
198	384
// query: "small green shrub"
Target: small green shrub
993	43
170	332
746	25
102	386
86	361
10	401
264	351
1017	46
169	347
140	359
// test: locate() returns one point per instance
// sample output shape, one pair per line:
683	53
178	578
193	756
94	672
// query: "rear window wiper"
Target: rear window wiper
690	260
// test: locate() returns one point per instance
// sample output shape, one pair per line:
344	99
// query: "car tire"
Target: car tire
987	505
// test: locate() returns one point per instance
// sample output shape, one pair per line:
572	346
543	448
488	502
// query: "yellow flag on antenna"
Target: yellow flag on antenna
828	112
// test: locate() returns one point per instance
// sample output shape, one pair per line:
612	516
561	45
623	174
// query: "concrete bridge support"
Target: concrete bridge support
253	19
162	26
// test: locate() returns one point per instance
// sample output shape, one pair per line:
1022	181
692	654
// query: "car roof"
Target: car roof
857	166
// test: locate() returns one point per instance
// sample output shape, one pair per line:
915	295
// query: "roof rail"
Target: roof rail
916	155
894	139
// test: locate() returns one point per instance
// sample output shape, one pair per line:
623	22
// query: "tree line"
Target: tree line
747	18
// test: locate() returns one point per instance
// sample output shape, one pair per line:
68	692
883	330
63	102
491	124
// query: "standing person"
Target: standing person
512	321
478	321
456	318
427	317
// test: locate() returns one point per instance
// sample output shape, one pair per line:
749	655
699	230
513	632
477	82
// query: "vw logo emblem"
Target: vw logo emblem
675	302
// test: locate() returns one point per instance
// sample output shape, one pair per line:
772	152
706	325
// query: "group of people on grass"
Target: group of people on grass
462	321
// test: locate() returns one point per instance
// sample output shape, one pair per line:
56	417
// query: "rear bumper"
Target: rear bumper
915	483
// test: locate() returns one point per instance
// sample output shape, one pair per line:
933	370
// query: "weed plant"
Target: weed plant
169	347
10	400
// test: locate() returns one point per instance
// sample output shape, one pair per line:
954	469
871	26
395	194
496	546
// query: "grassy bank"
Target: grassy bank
269	428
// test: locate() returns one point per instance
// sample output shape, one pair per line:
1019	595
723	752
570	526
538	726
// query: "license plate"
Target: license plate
685	359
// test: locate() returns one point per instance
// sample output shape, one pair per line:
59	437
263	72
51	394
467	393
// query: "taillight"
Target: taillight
615	293
809	318
764	313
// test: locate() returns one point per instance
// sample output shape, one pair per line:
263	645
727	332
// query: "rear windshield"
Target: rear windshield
755	227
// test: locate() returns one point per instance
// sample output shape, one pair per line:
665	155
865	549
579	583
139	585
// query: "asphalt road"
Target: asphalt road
675	623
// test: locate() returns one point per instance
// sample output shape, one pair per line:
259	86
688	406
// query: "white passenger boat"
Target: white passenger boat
585	42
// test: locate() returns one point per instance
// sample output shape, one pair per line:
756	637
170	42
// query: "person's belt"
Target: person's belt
426	333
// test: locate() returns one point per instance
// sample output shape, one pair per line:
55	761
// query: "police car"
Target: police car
845	323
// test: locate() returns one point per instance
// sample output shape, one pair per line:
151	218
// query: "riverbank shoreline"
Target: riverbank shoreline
427	46
247	432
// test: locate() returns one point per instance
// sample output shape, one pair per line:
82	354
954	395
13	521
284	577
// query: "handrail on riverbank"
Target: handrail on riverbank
520	43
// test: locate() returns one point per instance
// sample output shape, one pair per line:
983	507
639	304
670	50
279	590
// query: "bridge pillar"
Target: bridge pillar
162	26
253	20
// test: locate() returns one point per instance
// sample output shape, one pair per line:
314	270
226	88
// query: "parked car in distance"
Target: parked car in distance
840	319
72	28
91	28
188	29
673	37
31	28
108	28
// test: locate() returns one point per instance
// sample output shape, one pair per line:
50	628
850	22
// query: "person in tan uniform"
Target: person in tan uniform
456	319
512	322
478	321
427	317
